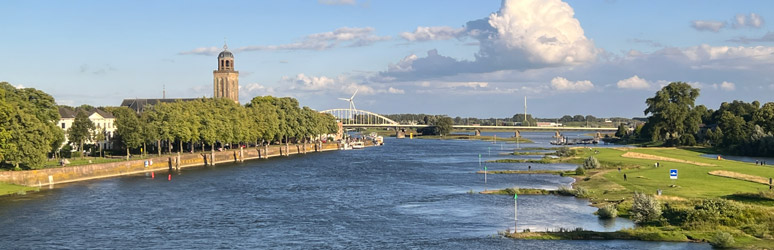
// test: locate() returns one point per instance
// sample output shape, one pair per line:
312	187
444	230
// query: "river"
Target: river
405	194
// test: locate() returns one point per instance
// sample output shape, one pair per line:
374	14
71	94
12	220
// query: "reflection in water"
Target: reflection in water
406	194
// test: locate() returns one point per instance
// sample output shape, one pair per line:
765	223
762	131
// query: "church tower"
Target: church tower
226	79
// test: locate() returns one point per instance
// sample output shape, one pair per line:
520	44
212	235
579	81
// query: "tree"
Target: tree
27	128
622	131
672	113
128	128
81	130
444	125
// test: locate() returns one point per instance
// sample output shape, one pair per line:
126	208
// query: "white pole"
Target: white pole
525	110
515	212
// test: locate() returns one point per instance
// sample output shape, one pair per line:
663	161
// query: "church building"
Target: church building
226	79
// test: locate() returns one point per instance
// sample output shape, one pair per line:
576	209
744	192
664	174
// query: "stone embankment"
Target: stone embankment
51	176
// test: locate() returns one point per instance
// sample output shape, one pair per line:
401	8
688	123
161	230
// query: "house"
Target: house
103	121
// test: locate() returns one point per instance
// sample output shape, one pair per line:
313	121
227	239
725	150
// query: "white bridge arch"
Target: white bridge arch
360	118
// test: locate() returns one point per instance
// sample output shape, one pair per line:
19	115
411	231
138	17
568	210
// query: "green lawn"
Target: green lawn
693	180
79	161
6	189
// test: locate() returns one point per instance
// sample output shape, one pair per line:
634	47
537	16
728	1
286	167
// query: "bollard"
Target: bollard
169	178
153	175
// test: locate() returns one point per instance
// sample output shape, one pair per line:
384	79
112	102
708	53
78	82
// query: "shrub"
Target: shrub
608	211
581	192
565	190
717	211
591	163
565	152
580	171
512	191
722	240
645	209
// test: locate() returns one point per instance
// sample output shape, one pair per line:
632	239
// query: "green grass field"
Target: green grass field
693	180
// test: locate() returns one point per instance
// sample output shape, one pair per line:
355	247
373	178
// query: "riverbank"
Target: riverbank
18	181
735	210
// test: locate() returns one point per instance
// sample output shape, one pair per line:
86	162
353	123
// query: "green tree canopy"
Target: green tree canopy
672	113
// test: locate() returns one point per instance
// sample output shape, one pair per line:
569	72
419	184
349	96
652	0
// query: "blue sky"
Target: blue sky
460	58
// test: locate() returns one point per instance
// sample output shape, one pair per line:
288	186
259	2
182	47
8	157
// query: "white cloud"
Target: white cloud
739	21
432	33
206	51
634	82
19	86
341	37
546	32
751	21
522	35
726	57
392	90
340	85
562	84
336	2
404	65
768	37
713	26
726	86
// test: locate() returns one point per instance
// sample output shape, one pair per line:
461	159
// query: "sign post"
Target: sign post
484	174
673	175
515	212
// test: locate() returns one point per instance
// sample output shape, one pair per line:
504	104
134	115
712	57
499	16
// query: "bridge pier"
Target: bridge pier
516	134
478	132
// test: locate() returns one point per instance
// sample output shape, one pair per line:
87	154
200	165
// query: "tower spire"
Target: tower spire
225	45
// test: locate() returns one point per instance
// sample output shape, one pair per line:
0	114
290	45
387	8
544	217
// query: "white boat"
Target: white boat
358	145
346	146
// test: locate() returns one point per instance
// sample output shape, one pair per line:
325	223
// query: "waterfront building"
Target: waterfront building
103	121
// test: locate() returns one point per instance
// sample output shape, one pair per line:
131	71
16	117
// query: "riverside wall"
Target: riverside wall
59	175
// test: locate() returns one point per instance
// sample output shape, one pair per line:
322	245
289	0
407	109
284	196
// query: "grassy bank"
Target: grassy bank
731	207
9	189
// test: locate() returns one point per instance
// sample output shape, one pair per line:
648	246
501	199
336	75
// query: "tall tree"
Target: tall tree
81	130
444	125
128	128
672	113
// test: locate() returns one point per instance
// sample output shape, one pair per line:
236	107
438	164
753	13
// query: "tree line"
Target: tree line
29	129
735	128
219	122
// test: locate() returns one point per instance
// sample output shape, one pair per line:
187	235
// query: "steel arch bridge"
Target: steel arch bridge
360	118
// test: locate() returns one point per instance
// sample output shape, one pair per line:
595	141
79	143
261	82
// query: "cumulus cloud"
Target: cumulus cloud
727	57
562	84
713	26
634	82
19	86
336	2
433	33
521	35
341	37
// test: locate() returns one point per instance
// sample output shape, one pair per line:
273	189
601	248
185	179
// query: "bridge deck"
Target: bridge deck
481	127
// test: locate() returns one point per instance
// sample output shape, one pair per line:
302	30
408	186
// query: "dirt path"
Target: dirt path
739	176
661	158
